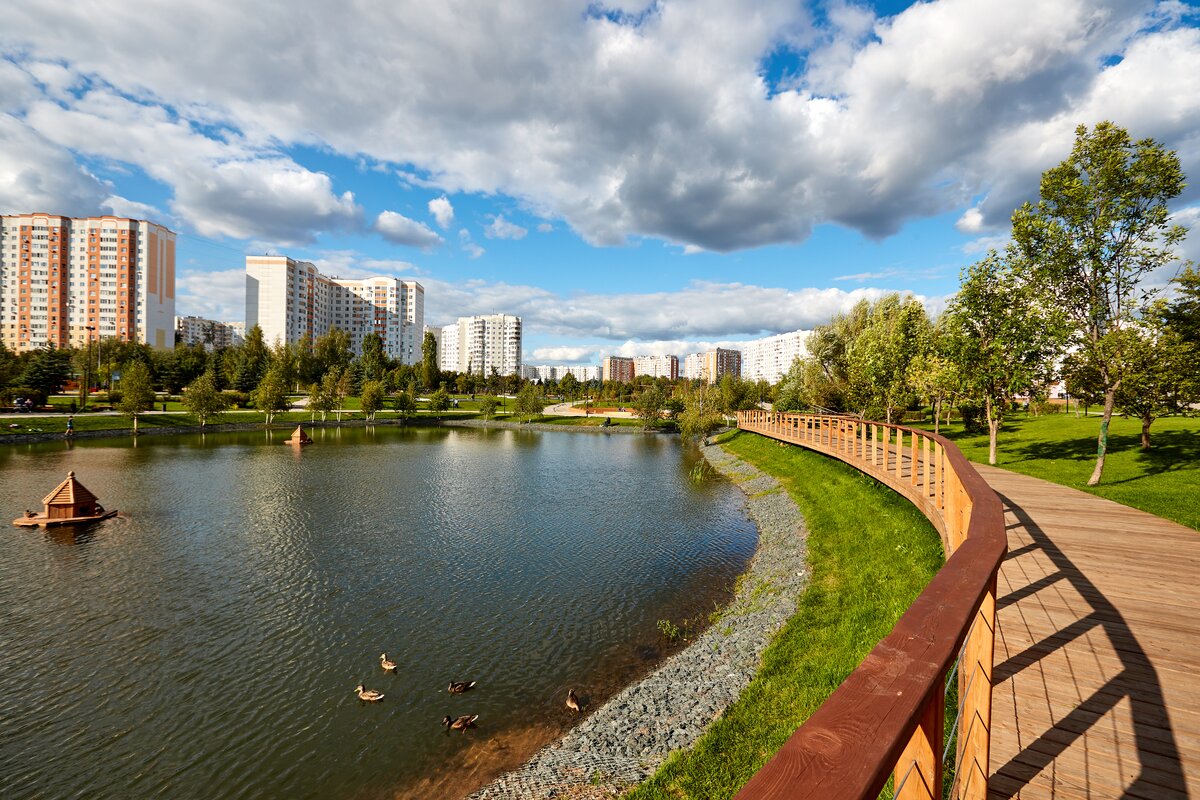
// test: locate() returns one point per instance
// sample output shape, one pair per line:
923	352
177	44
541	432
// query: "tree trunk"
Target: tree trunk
1110	398
135	418
993	429
937	417
1147	421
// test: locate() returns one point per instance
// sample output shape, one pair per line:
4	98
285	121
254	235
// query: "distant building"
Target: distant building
480	344
289	299
713	365
770	358
617	368
208	332
66	281
547	373
656	366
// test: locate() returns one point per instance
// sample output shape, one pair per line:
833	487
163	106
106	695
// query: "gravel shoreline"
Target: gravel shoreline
624	741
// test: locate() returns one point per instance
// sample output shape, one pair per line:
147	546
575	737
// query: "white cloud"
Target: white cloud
38	175
352	265
123	207
399	229
219	295
503	229
468	245
442	211
971	221
544	227
655	122
568	355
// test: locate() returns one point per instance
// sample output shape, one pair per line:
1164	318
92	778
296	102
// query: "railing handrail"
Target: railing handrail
887	713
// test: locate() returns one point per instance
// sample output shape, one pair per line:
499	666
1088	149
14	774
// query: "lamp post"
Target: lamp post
87	363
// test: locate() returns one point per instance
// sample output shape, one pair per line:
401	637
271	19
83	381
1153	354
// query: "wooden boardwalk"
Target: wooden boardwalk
1097	659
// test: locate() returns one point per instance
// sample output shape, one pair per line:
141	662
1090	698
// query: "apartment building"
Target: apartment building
289	298
713	365
65	281
208	332
617	368
656	366
770	358
547	373
480	344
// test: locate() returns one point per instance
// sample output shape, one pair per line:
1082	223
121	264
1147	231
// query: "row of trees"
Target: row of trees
1069	298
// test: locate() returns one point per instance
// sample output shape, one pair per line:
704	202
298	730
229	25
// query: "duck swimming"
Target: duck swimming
370	695
461	723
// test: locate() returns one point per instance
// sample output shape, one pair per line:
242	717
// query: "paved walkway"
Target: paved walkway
1097	680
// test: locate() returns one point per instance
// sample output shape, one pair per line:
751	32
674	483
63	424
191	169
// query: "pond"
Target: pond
207	642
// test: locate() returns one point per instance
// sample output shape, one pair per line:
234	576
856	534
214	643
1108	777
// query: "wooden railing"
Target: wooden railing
886	719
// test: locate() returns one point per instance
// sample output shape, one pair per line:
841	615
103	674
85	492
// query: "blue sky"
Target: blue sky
628	176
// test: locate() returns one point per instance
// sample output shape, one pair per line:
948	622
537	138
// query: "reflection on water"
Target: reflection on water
208	643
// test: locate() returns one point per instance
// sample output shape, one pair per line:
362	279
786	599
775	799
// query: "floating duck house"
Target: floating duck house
70	503
299	437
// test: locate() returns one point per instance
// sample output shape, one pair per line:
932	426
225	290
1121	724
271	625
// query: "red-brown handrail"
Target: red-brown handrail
886	717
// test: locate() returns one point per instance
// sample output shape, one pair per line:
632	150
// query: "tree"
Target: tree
1102	224
997	338
430	376
487	406
137	391
935	378
439	401
374	361
648	406
335	388
8	366
249	361
568	385
332	351
371	398
1160	374
46	370
530	402
405	404
321	399
270	395
202	400
701	412
896	331
1183	313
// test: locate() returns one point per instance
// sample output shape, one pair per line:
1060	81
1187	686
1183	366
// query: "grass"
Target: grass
590	422
871	554
1061	448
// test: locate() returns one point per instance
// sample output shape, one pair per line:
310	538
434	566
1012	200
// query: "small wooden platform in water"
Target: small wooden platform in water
42	521
70	503
1096	687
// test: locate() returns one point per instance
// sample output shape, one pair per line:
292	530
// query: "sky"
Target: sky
628	177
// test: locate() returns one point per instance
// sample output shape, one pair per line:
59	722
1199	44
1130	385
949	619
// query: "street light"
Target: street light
87	361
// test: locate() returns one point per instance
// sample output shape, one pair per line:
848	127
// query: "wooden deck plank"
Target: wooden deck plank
1096	692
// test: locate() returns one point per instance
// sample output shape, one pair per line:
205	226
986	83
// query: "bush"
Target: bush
237	399
974	420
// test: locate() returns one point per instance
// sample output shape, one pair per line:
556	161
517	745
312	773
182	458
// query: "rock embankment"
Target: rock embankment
624	741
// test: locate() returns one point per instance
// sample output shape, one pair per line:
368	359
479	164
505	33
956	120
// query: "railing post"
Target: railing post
975	702
912	460
918	773
925	458
899	453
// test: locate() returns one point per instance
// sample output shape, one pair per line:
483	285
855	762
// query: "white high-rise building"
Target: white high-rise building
547	372
769	359
65	281
656	366
208	332
713	365
289	298
481	344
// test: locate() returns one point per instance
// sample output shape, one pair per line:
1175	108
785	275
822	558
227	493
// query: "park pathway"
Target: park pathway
1097	677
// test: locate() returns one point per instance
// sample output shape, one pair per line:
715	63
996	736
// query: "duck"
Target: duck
573	701
370	695
388	666
458	687
460	723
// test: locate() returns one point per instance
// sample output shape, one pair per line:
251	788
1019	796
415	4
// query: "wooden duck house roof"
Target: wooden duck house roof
68	493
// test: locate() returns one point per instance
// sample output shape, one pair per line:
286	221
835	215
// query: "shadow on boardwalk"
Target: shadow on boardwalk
1079	707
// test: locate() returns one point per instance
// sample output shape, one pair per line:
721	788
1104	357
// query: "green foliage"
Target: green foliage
46	370
430	376
137	391
1102	224
270	395
9	366
1160	375
648	406
247	363
202	400
374	362
568	385
701	412
332	351
1182	315
439	401
405	403
936	380
487	405
371	399
895	332
530	402
998	338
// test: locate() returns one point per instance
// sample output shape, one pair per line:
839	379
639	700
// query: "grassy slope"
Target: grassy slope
1061	448
871	554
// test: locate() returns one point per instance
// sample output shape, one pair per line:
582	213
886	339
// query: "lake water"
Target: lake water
208	644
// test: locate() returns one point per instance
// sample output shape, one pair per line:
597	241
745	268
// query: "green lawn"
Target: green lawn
1164	480
872	553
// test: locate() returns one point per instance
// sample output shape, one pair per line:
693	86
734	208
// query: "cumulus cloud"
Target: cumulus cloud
503	229
219	295
123	207
468	245
442	211
399	229
568	355
660	121
38	175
